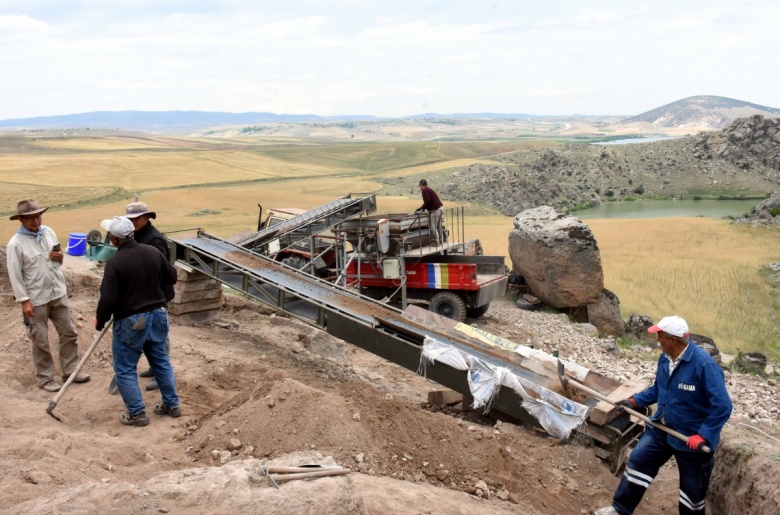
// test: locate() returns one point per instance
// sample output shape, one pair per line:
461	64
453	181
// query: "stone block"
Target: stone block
195	306
191	296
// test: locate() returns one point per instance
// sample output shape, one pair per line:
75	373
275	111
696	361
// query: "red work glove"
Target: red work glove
695	442
626	403
96	325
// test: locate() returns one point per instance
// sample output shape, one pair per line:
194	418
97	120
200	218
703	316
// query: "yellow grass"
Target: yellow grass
706	271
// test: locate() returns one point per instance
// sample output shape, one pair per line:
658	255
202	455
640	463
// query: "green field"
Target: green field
707	271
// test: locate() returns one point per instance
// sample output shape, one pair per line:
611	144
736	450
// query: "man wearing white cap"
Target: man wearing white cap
147	234
692	399
132	292
33	260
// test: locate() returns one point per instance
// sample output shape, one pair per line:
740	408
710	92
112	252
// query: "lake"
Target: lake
629	141
669	208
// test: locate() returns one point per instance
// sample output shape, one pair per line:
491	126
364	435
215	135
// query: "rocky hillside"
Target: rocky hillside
743	161
702	111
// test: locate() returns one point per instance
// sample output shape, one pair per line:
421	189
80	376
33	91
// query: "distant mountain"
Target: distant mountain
702	111
192	121
165	121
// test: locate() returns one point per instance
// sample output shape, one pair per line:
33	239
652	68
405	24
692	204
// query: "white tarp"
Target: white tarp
558	415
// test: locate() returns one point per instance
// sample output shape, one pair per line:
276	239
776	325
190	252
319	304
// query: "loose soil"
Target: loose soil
259	388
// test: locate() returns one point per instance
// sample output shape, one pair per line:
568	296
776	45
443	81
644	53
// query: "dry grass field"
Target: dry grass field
704	270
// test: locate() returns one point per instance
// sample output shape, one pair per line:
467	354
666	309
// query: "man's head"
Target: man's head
423	183
139	214
672	334
29	214
119	228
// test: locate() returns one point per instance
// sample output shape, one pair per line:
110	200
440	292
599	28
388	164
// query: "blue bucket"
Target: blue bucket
77	244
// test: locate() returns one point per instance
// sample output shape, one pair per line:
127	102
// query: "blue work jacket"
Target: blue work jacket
693	400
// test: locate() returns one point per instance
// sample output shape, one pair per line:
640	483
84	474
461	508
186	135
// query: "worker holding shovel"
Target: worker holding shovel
133	292
692	399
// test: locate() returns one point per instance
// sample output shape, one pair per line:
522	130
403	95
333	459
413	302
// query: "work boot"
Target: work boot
80	378
146	373
609	510
162	409
152	385
139	420
50	386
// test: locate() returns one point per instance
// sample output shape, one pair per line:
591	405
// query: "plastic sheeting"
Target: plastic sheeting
558	415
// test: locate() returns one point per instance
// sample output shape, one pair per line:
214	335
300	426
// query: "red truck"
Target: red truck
393	259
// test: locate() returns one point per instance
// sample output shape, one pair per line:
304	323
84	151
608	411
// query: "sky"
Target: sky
385	58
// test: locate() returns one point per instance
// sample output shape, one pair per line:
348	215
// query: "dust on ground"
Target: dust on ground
258	388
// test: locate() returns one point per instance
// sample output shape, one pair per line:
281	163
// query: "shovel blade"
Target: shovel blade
113	388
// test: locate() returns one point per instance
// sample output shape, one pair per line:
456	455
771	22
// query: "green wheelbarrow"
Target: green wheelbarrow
97	250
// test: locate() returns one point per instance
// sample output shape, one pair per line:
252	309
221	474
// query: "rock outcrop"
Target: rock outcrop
558	257
765	213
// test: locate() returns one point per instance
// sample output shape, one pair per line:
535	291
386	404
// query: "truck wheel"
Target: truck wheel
448	304
477	312
295	262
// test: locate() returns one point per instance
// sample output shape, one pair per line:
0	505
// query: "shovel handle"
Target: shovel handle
79	366
638	415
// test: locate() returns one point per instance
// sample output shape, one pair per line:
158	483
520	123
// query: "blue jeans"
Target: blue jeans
650	453
142	333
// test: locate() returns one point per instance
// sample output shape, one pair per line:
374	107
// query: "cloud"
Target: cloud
14	23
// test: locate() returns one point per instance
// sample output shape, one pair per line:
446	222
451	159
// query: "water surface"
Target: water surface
669	208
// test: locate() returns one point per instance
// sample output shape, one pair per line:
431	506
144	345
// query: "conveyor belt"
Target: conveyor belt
271	240
364	322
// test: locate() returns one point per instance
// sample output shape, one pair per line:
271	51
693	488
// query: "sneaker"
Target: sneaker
609	510
146	373
139	420
80	378
162	409
152	385
50	386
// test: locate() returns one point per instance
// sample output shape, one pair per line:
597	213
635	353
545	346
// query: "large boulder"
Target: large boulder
557	256
605	315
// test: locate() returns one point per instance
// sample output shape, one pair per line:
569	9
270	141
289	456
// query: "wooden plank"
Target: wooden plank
447	397
603	412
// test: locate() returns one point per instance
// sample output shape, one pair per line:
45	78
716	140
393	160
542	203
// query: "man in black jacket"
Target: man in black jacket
147	234
132	292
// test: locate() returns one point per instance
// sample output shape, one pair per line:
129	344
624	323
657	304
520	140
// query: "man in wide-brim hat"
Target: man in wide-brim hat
33	259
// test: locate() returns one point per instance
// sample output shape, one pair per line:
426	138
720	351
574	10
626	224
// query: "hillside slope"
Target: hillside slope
702	111
741	161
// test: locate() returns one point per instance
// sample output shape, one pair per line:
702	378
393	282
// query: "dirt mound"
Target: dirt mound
255	385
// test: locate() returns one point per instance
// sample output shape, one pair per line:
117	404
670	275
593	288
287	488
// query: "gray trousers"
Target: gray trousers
436	229
58	311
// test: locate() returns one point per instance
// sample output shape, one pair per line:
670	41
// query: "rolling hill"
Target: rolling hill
702	111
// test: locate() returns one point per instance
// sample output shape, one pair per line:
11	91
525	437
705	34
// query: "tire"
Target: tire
295	262
449	305
94	235
477	312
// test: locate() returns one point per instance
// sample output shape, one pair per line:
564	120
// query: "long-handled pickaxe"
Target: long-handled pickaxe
53	403
565	381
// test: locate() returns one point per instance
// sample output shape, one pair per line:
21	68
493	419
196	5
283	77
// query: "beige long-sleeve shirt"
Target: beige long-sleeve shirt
33	275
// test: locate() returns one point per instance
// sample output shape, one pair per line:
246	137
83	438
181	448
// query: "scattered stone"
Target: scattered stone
442	474
605	314
359	457
708	344
234	444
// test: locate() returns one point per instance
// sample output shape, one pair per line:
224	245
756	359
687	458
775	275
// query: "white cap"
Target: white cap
119	226
673	325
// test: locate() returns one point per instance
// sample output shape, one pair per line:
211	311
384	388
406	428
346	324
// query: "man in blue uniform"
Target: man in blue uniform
692	399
